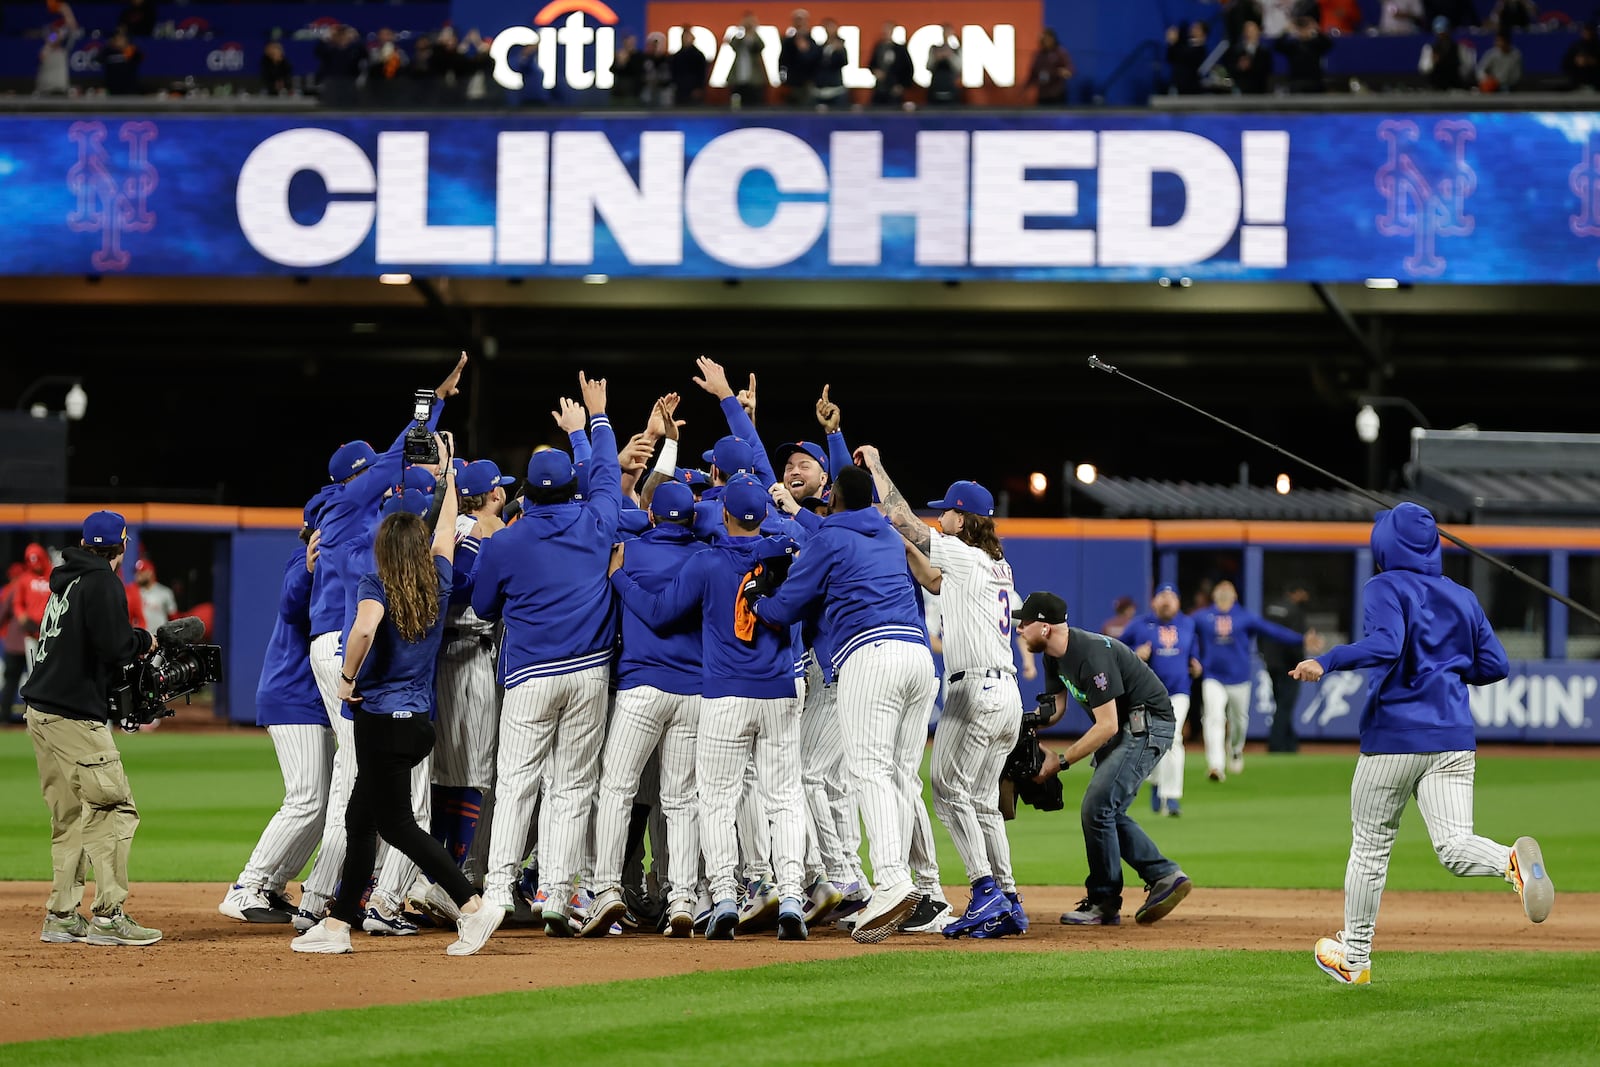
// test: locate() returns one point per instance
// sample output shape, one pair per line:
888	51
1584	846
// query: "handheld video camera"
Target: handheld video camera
178	667
420	449
1044	710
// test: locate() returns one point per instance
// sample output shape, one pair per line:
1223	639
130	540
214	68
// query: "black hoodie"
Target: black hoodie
84	635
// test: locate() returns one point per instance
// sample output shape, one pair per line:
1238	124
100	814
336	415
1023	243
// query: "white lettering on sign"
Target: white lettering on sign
1534	700
965	200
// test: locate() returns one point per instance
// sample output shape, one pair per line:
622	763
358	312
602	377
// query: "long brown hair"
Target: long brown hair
405	567
978	531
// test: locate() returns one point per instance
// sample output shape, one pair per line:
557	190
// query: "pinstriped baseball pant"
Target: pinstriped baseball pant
305	757
923	858
822	779
1380	790
731	728
977	731
886	691
469	706
647	718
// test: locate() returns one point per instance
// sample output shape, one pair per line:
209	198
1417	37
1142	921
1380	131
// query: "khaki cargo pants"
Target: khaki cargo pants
92	817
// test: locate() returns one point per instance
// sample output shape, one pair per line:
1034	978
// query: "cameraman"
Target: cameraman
83	637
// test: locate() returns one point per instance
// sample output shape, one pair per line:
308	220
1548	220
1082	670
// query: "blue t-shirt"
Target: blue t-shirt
397	674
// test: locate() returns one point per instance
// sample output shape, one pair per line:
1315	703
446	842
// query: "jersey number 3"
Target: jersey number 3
1005	612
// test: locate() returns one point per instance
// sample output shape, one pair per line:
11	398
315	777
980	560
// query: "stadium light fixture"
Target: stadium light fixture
1038	483
394	279
1368	424
1086	473
1283	485
596	279
1383	283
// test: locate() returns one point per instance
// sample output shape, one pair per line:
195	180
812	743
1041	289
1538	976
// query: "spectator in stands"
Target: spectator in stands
747	78
54	77
891	68
832	58
1500	69
1581	64
1249	63
1051	71
944	69
688	65
430	75
797	59
158	602
1277	18
627	73
1446	63
1340	17
277	75
1461	14
1235	13
119	61
341	60
1185	56
1305	49
471	66
386	64
138	19
1513	15
525	61
656	90
1401	16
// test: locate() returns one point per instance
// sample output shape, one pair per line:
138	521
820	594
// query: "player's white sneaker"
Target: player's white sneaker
380	923
474	929
887	913
1332	955
680	919
1525	871
760	908
1236	764
249	904
820	900
323	941
430	898
606	908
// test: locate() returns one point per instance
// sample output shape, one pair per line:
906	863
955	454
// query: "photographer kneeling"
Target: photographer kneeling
83	637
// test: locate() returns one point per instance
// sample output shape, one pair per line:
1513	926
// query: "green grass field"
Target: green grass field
203	799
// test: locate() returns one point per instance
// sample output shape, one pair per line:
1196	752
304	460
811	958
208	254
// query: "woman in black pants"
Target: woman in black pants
387	679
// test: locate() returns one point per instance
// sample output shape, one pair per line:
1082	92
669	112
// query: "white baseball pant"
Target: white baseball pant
822	766
305	758
731	730
1224	721
923	856
645	718
755	841
323	881
1167	778
1379	791
551	730
885	692
469	707
977	731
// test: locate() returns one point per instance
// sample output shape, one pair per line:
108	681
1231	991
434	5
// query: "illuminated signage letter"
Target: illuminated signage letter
1128	234
262	197
645	220
711	193
1003	197
863	196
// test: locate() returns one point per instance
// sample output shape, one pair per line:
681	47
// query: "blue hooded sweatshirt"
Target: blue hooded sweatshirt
287	693
666	657
855	565
1172	644
711	581
1227	639
1426	640
546	575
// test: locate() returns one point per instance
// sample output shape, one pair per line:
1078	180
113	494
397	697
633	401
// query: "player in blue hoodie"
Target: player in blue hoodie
545	575
854	566
1165	638
1426	640
751	704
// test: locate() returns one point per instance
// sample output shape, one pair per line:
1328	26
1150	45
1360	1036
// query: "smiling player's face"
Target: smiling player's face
803	475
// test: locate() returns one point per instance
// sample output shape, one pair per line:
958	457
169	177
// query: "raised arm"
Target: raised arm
446	502
1383	644
714	380
839	456
927	575
894	504
605	478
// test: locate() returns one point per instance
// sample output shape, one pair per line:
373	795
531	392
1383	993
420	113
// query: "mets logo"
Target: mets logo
1585	184
1223	627
1101	681
1421	208
109	204
1168	636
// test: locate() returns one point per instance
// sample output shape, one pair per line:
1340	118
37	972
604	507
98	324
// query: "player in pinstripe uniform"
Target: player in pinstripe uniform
1427	639
659	679
545	576
348	519
290	707
964	565
855	568
750	707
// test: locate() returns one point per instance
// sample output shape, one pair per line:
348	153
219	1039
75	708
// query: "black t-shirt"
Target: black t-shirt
1095	669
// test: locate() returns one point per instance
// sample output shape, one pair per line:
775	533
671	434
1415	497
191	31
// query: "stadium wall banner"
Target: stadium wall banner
1060	196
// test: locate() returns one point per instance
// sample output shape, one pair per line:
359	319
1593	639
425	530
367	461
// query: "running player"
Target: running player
1165	638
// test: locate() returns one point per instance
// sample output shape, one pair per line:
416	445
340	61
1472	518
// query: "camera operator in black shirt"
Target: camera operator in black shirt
84	636
1133	727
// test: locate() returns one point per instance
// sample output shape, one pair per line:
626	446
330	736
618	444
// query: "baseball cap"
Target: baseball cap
480	477
694	479
970	497
1042	607
105	528
673	500
412	500
351	458
745	499
1441	24
731	456
311	512
1166	587
631	522
419	478
781	454
140	566
551	467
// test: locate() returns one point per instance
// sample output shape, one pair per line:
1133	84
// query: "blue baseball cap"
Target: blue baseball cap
419	478
311	512
694	479
413	500
731	456
480	477
459	464
351	458
1166	587
632	522
745	499
550	467
970	497
781	454
105	528
673	500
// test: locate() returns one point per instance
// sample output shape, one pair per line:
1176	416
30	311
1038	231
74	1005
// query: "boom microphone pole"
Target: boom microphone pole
1383	502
